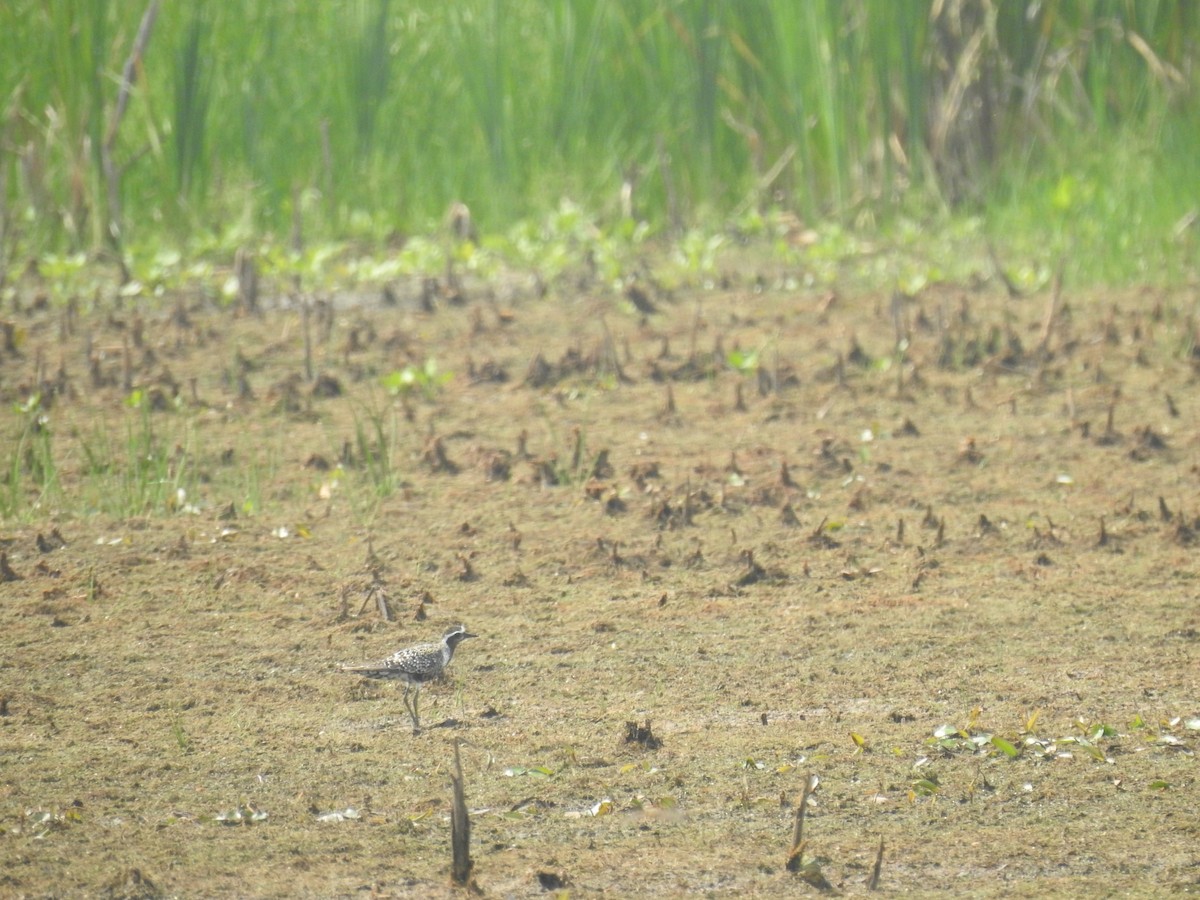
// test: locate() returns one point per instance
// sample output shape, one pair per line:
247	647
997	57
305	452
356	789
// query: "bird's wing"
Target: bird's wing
401	659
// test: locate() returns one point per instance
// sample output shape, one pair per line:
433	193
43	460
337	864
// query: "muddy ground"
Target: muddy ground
743	518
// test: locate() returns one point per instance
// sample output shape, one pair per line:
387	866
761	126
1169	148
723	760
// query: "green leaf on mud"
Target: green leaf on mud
535	771
742	360
1005	747
1093	751
925	787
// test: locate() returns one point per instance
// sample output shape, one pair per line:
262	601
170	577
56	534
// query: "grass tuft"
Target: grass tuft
1069	124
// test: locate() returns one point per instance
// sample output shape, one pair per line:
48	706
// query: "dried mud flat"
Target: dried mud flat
749	522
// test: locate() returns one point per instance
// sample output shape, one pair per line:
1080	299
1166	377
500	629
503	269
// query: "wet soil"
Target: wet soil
711	546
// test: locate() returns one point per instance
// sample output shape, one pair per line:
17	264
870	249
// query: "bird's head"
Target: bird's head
455	635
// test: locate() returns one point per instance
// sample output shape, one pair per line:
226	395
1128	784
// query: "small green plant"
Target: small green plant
971	739
696	252
577	465
181	737
375	434
93	586
252	489
154	477
32	457
924	787
744	361
426	380
148	472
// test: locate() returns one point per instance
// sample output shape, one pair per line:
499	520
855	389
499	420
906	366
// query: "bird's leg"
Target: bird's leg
415	714
409	707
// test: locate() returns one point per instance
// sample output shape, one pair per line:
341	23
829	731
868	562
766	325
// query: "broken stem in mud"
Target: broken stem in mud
873	881
307	321
460	827
795	860
819	530
1053	307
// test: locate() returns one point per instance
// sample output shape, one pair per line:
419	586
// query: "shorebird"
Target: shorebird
414	666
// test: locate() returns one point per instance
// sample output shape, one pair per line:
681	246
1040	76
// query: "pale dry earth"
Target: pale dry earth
805	567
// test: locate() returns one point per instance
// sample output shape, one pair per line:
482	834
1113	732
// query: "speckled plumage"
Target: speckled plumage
414	666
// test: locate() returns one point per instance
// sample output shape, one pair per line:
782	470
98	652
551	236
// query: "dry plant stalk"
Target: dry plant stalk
112	174
460	827
873	881
795	860
1053	308
307	325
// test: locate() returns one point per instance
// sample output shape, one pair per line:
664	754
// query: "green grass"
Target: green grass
1113	217
150	471
376	431
361	119
141	461
29	469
